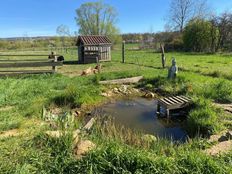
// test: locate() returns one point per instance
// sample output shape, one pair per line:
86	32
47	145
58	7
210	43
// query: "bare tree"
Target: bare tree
63	31
224	24
182	11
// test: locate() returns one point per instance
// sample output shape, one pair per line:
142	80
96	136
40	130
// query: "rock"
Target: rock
116	91
59	133
54	134
136	90
214	138
104	94
107	94
77	113
149	95
123	88
229	135
149	138
83	147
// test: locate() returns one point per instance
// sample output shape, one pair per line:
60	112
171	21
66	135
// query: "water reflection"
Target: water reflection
140	114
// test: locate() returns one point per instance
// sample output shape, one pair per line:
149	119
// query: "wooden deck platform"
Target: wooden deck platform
172	103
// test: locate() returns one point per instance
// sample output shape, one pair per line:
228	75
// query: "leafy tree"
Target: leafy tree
97	18
200	36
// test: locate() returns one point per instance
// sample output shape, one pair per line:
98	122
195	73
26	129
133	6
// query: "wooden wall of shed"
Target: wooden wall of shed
89	54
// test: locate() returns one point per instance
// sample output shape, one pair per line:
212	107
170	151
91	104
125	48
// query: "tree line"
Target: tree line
191	26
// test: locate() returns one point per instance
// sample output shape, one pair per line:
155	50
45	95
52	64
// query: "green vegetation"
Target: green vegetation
200	36
205	77
203	118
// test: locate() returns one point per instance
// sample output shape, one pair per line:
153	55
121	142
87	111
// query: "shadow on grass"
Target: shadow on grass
72	62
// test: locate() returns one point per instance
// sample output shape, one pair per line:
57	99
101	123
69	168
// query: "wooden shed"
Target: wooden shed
93	48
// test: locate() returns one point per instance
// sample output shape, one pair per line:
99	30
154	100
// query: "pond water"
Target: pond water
140	114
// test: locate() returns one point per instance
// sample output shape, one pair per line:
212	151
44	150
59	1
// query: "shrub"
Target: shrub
200	36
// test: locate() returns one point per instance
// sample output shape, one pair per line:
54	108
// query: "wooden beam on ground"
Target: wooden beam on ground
30	64
15	73
123	81
89	125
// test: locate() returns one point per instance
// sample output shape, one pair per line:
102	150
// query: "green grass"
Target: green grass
202	76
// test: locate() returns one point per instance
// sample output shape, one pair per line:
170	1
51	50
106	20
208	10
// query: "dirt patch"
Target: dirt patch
224	143
222	147
10	133
226	107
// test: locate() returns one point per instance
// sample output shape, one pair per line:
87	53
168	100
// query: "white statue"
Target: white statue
173	70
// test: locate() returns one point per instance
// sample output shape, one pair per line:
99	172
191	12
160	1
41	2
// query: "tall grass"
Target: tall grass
203	119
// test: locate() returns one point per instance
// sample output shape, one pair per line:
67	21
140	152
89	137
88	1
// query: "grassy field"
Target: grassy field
204	77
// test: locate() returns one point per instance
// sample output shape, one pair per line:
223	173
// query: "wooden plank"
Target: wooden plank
166	99
182	99
185	98
89	125
172	99
123	81
165	102
30	64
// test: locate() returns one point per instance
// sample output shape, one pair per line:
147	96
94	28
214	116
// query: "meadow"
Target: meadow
204	77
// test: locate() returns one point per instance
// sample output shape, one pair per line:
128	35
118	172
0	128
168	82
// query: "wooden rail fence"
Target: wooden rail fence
30	66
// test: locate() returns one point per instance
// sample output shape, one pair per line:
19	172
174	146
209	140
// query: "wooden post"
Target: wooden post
158	109
123	52
98	61
162	55
54	67
168	113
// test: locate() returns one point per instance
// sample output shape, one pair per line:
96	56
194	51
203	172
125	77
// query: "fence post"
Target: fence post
54	67
123	52
162	55
98	60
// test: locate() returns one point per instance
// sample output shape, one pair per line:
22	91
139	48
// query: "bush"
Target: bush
200	36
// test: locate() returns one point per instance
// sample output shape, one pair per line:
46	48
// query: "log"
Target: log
123	81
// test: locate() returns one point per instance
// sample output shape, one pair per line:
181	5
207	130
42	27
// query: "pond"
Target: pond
140	114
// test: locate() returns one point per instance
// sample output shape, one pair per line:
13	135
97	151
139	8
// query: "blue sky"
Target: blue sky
41	17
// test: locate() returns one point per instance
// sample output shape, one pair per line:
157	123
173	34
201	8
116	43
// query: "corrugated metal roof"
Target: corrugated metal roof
93	40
